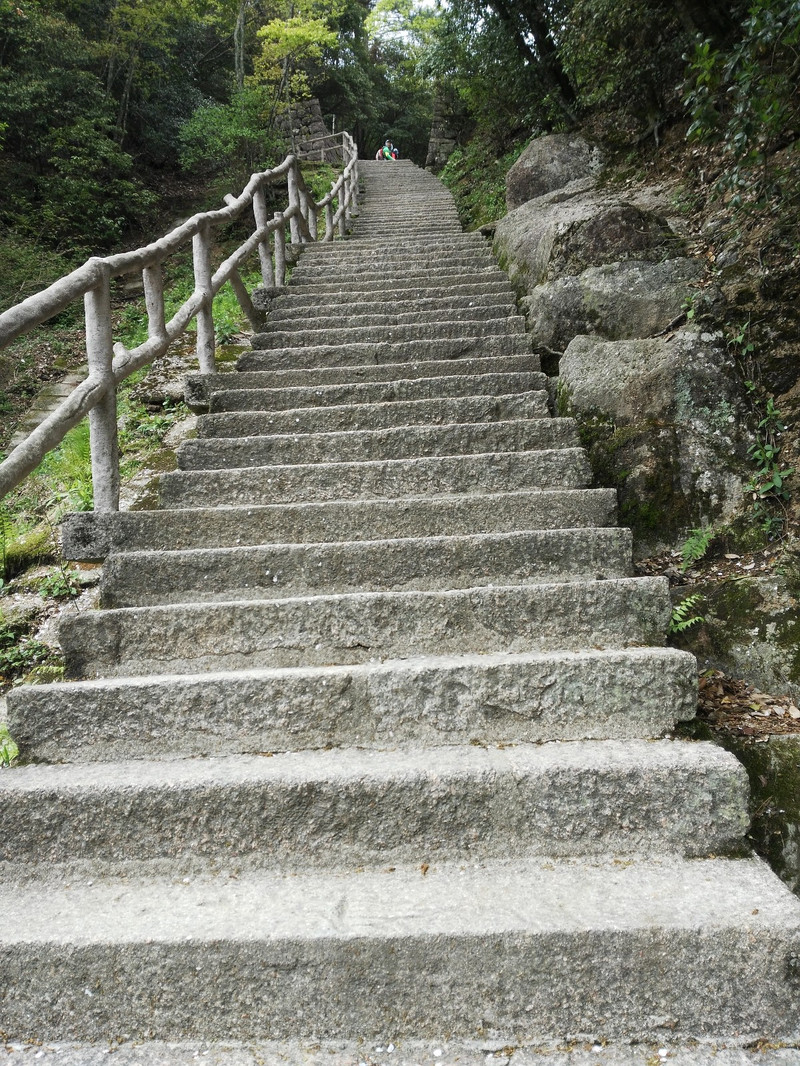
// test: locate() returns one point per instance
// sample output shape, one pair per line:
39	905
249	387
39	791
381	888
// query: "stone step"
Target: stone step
430	476
401	265
382	351
375	416
275	571
422	284
488	1051
390	320
259	393
430	332
285	309
349	808
401	239
489	699
92	535
357	627
370	445
551	950
336	294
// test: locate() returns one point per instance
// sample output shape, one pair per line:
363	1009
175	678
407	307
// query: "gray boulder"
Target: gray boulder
616	301
550	163
565	232
662	418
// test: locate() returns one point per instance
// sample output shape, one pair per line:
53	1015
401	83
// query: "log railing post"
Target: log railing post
329	221
103	438
280	251
294	203
264	253
201	248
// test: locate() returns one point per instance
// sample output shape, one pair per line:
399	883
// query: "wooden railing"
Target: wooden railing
111	362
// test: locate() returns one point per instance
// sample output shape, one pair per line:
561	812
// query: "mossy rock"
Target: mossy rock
29	549
751	630
773	768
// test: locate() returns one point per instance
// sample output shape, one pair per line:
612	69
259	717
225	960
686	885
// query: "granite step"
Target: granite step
366	445
551	950
265	356
432	332
426	702
348	808
263	393
356	627
274	571
89	536
374	416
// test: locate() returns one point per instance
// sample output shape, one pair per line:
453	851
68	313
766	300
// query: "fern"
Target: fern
682	617
695	546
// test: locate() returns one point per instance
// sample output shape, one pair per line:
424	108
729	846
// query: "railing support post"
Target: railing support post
103	438
280	251
264	253
294	203
201	248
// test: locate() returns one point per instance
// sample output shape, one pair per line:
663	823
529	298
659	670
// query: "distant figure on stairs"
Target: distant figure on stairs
388	151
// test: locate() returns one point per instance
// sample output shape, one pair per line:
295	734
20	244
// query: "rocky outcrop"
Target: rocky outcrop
615	301
604	278
550	163
580	226
667	413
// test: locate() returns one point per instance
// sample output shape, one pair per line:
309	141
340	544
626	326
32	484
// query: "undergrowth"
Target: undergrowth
477	180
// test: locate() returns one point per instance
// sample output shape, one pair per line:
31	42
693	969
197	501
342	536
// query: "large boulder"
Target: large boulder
617	301
565	232
662	418
550	163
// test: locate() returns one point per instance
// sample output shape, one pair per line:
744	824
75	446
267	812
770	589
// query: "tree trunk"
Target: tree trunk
523	19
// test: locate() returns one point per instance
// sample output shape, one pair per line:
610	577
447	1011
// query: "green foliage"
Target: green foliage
8	749
746	98
20	652
768	485
232	137
625	55
682	617
477	180
695	546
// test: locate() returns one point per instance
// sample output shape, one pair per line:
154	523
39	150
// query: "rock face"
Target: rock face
565	232
615	301
752	629
550	163
667	412
604	278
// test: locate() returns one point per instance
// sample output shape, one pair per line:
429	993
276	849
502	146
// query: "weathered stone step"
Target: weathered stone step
356	627
444	284
350	808
401	239
374	416
537	948
432	333
391	321
408	1052
92	535
369	445
286	309
258	393
501	698
399	265
384	479
275	571
336	295
383	351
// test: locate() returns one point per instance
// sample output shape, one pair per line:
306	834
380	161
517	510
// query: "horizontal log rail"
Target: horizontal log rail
111	362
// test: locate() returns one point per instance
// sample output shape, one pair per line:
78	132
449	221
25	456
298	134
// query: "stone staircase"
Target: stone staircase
371	732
